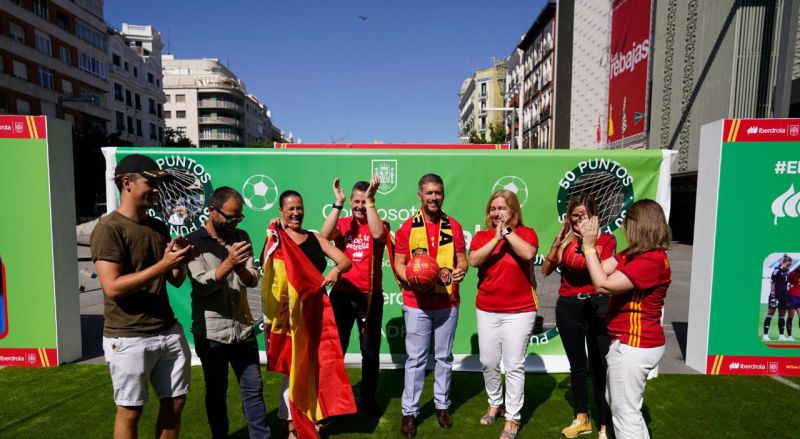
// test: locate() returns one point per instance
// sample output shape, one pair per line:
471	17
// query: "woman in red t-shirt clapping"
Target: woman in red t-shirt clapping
637	280
581	314
506	305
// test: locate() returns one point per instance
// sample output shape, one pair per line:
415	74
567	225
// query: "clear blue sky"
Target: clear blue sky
328	75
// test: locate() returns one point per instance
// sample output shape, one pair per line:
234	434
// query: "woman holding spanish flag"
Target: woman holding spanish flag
295	305
637	279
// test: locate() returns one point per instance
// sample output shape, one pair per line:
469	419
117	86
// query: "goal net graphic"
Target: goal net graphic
181	195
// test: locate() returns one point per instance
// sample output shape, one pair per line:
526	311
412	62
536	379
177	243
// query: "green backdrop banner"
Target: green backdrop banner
747	222
542	180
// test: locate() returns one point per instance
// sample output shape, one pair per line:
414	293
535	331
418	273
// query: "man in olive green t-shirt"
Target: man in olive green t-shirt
142	341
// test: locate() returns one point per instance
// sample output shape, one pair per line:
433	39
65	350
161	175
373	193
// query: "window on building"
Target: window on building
180	114
181	131
48	108
90	35
118	92
150	77
40	8
115	59
66	87
153	131
483	124
483	89
138	101
120	119
180	98
130	125
92	65
23	106
4	104
128	98
158	110
158	84
46	78
16	32
126	66
160	135
2	63
167	114
62	20
43	43
151	106
168	97
135	72
20	70
65	55
139	127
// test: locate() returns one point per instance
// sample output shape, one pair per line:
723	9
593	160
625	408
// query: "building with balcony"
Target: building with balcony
481	100
258	124
209	104
534	78
137	94
54	61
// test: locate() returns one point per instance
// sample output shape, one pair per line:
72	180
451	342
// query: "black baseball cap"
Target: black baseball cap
142	165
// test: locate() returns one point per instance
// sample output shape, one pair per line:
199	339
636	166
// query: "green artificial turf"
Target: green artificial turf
75	401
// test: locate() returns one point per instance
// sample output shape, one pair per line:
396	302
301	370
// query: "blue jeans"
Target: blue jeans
243	357
419	325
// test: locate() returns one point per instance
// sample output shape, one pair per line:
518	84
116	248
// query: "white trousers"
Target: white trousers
628	368
504	337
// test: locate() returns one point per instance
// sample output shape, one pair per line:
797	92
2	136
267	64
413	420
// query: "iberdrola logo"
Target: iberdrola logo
786	205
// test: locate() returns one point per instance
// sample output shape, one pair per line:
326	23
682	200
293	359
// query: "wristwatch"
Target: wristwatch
506	231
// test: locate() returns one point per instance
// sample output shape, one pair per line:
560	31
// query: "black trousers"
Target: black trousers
348	308
582	325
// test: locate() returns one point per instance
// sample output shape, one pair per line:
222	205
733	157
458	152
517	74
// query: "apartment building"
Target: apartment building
53	60
137	96
481	101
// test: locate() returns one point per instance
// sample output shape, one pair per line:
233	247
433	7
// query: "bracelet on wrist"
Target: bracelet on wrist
589	250
370	204
338	206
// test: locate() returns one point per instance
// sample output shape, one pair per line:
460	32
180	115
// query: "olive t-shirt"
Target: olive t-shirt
136	246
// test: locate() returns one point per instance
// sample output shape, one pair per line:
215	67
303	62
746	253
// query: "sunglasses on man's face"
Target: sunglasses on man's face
230	219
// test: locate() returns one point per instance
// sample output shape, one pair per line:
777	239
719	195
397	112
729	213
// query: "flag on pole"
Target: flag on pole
303	338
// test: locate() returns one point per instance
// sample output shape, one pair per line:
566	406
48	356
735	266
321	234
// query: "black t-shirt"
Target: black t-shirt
314	252
781	280
136	246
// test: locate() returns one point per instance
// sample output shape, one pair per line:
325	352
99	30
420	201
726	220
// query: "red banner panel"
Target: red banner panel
389	146
23	127
761	130
745	365
627	82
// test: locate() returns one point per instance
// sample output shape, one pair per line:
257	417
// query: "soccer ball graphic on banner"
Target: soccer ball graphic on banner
260	192
514	184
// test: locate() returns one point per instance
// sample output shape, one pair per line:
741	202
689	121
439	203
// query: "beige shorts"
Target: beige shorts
163	360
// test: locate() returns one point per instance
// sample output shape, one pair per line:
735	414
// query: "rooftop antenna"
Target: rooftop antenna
169	42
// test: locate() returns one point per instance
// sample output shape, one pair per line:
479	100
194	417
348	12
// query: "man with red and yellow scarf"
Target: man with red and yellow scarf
430	232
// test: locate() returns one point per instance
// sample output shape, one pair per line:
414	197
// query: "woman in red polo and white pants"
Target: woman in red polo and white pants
637	279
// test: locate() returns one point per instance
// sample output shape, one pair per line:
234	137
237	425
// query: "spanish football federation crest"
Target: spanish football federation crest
387	171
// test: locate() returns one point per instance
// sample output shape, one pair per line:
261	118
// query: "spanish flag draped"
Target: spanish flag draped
303	339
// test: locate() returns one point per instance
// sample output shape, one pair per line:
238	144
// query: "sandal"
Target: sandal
489	418
511	429
292	433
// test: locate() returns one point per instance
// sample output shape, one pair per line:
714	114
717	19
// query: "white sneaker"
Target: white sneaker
782	338
765	337
790	338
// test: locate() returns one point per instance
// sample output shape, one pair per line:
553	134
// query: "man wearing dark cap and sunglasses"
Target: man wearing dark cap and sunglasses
143	342
221	268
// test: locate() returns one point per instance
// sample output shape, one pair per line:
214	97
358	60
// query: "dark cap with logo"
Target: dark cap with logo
142	165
